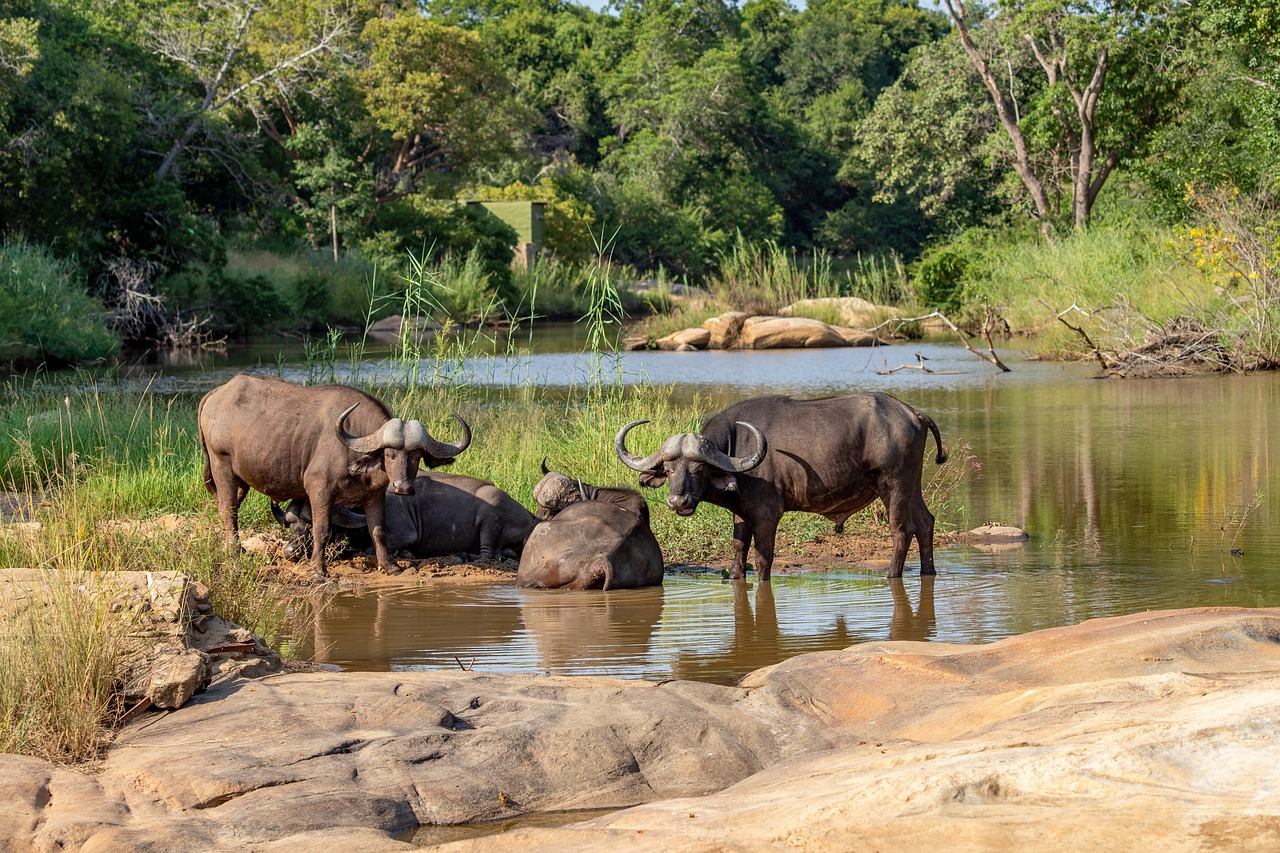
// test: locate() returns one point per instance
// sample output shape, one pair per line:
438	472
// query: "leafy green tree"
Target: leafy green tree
843	53
438	107
932	141
1110	72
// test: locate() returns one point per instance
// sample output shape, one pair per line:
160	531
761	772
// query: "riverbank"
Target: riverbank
1151	731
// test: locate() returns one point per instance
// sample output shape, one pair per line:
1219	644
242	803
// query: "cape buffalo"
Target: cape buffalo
446	514
289	441
592	538
831	456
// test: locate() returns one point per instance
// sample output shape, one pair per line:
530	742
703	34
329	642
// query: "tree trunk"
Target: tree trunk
1007	113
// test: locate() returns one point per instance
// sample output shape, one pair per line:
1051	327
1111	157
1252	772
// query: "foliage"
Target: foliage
1234	243
45	314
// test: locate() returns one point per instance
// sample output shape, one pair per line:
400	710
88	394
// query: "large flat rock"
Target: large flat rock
1155	731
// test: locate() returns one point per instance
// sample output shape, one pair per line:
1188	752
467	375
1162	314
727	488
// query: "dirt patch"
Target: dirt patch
867	552
347	569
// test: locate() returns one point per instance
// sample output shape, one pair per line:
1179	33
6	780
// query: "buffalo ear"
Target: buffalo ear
724	482
652	480
365	463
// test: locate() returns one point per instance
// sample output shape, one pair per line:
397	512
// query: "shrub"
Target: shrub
940	276
46	315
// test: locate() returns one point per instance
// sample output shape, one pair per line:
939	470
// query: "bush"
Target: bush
939	280
46	315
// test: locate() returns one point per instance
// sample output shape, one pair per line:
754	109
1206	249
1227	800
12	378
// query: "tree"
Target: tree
437	105
233	51
930	139
1070	132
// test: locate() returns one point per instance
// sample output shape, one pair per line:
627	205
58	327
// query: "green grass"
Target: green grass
1126	277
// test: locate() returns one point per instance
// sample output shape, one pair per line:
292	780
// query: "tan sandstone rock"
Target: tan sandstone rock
1154	732
787	333
685	339
725	329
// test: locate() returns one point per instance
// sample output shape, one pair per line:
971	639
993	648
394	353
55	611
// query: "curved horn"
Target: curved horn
417	438
360	444
635	463
545	469
341	516
734	464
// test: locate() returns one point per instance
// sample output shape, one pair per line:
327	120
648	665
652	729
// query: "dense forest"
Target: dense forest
153	152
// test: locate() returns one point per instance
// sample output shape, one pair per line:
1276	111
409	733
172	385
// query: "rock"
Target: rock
392	329
685	339
787	333
859	338
724	329
1154	731
992	532
852	311
176	677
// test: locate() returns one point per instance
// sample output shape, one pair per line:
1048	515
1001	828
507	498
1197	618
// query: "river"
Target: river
1137	494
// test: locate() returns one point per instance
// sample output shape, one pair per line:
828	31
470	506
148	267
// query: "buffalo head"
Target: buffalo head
555	491
691	462
296	516
397	448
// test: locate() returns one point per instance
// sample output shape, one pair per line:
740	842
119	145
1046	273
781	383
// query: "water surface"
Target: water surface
1138	495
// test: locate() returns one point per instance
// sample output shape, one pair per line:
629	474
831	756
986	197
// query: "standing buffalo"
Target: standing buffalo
831	456
592	538
289	441
446	514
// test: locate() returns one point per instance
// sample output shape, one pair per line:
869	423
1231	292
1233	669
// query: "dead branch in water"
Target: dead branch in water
1179	347
921	367
989	355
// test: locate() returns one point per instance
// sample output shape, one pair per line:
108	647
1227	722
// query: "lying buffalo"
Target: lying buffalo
446	514
289	441
593	538
832	456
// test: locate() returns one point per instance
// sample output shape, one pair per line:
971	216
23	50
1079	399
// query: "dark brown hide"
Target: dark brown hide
446	514
593	538
289	441
831	456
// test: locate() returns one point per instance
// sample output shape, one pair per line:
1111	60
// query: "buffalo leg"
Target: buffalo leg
321	507
741	547
765	538
490	539
901	527
375	518
924	533
230	491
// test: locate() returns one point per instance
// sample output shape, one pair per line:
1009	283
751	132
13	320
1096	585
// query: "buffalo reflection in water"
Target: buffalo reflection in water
756	640
575	629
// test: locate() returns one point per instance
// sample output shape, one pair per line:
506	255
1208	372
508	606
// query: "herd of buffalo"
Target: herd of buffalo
334	456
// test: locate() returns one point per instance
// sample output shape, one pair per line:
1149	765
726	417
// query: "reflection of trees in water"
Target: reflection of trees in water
575	627
757	642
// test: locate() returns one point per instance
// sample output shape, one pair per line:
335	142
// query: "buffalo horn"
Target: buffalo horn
545	469
635	463
360	444
417	438
341	516
712	455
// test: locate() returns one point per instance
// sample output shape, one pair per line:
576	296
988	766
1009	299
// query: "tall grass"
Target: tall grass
761	278
1125	275
64	637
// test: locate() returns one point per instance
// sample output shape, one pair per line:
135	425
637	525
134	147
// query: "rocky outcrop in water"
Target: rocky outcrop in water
1155	731
738	330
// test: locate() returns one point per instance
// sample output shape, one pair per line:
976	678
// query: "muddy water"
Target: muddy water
1138	495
